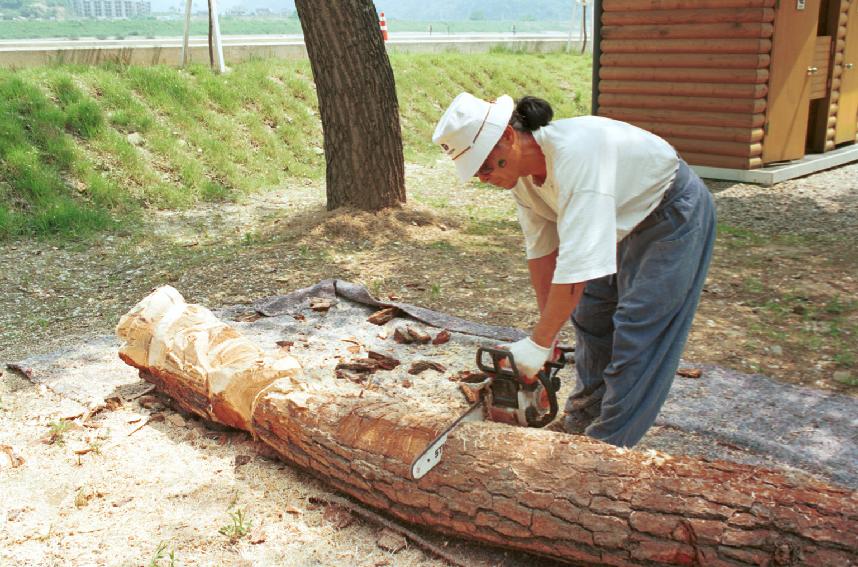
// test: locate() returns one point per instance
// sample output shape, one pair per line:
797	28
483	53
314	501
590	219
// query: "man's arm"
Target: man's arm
556	301
561	302
541	274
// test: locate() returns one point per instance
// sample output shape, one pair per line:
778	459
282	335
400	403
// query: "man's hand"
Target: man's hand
529	356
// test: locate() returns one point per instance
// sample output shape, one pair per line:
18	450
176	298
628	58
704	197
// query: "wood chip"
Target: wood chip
441	338
385	360
293	510
406	383
350	376
285	345
353	349
257	535
9	457
402	336
150	402
383	316
391	541
419	336
176	420
338	516
241	460
249	317
422	365
690	372
466	376
472	391
321	303
359	365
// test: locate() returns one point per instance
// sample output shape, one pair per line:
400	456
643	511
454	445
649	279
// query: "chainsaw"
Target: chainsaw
503	395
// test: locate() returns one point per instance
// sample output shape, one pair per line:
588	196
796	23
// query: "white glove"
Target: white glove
529	356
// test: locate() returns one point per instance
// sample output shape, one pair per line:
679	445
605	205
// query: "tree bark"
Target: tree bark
547	493
357	103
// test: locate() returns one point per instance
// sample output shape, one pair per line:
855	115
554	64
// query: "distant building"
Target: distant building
110	9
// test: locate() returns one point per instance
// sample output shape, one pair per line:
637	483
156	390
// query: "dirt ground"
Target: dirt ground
122	487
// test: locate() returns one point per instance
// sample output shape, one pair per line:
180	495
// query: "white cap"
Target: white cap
469	130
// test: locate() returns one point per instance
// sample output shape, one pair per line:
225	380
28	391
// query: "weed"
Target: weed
845	359
836	306
161	554
435	291
442	245
375	286
250	238
753	285
57	431
238	527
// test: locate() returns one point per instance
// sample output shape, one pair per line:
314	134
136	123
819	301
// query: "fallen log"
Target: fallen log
547	493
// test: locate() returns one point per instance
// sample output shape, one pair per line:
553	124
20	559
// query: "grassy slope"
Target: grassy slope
83	146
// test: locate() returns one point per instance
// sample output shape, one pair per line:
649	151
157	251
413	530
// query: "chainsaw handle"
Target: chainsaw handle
546	377
497	355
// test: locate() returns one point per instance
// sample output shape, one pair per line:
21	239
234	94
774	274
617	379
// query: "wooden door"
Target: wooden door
790	83
847	111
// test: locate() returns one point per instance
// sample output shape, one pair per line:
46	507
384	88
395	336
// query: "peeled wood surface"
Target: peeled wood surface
685	31
744	91
686	45
548	493
686	16
690	5
693	60
752	76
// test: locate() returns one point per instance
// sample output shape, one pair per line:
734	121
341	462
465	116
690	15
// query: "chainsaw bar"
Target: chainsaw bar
426	460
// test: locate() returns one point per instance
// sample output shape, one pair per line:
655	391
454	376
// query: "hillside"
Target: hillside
84	146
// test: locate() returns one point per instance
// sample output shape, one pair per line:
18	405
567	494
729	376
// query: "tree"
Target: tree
357	103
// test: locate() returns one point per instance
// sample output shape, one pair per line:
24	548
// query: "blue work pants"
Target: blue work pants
631	327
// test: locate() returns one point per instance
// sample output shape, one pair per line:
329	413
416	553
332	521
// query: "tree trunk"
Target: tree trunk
551	494
357	103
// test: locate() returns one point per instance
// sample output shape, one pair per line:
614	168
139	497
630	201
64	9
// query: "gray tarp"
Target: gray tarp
723	414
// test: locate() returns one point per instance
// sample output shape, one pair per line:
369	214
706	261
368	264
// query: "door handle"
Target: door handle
849	65
812	70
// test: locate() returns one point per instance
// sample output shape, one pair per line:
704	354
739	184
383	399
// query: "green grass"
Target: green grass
89	148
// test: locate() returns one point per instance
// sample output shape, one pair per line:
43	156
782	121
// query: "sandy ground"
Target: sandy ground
137	481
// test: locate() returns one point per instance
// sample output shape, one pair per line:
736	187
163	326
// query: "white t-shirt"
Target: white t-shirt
603	178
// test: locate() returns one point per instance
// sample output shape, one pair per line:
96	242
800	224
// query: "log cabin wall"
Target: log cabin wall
695	72
730	83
